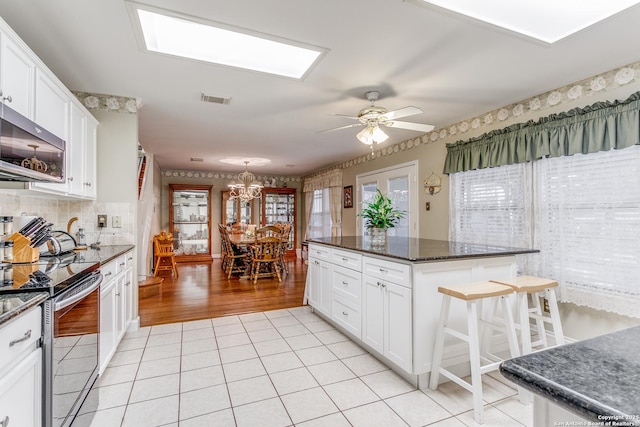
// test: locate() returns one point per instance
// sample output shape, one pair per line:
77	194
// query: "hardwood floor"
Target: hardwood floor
202	291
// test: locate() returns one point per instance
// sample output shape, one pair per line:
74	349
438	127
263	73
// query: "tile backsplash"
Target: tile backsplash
60	211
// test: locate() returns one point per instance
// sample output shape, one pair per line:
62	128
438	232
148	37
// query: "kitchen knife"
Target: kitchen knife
28	228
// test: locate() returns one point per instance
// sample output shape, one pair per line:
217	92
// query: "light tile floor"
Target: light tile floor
275	369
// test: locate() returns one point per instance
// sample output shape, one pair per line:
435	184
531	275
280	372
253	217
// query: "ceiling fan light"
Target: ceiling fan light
365	136
378	135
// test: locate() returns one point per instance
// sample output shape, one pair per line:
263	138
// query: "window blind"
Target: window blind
588	227
491	206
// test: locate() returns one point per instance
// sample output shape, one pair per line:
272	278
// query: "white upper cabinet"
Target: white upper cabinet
17	77
31	89
52	106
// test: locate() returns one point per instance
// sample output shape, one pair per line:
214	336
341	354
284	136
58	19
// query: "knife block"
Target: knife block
23	253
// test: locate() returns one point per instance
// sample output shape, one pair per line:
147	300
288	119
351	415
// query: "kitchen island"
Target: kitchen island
590	382
387	299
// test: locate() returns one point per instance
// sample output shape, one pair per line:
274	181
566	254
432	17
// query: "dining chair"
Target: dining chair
222	229
235	257
165	256
268	231
265	258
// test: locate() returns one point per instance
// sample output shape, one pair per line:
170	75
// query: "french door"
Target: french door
400	184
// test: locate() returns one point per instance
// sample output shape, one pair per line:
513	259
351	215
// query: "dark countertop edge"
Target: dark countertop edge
36	299
119	250
426	259
39	297
564	397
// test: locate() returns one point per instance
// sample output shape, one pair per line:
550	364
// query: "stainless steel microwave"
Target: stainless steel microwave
29	152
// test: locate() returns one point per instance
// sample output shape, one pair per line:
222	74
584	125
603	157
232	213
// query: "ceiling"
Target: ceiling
450	66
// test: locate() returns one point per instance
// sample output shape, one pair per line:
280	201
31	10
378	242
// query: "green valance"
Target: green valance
599	127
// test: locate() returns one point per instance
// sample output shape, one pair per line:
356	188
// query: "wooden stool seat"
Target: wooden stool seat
481	359
475	290
529	284
150	286
529	290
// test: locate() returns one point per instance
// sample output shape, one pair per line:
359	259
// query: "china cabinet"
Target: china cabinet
236	210
190	221
279	205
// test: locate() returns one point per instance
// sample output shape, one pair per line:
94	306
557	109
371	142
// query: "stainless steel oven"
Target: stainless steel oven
70	347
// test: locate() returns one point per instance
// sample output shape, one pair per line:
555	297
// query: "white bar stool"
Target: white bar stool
473	294
536	287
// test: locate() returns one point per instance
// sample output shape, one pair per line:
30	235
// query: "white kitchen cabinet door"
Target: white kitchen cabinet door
373	313
90	181
52	105
17	77
52	113
107	323
320	285
128	296
121	304
75	150
21	393
397	325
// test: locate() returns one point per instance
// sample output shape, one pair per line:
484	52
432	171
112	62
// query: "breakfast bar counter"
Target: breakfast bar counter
386	298
596	379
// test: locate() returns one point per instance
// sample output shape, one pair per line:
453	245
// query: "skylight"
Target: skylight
220	44
546	20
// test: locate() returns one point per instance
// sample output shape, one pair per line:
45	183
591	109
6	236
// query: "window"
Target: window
491	206
581	211
588	227
320	221
399	183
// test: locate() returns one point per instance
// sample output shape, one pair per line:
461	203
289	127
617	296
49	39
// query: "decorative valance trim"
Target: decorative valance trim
599	127
332	178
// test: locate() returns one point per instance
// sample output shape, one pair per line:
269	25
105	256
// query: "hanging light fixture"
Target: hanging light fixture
371	134
247	189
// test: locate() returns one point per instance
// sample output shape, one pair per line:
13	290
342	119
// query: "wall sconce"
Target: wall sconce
433	184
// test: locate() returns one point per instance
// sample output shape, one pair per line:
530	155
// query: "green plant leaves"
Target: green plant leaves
380	213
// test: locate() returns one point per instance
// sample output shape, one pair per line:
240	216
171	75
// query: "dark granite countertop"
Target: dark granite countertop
10	303
595	378
13	305
103	254
420	250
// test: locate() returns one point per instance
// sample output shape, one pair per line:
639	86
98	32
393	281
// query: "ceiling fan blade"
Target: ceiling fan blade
402	112
419	127
346	117
341	127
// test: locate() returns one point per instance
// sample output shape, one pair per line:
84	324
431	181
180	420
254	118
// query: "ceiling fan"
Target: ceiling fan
374	116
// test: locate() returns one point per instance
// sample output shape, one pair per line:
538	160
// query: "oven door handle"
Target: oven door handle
77	297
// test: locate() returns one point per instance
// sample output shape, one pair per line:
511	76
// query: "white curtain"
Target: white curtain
332	180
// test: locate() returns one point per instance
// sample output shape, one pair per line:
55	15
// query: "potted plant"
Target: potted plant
379	216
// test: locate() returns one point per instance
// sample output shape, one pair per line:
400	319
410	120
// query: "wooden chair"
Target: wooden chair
165	256
265	258
285	233
235	259
268	231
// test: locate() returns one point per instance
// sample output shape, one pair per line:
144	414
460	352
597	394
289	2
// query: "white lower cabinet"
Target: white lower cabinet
320	285
387	320
21	371
21	393
116	305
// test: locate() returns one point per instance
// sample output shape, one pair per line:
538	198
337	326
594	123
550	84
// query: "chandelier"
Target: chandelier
247	188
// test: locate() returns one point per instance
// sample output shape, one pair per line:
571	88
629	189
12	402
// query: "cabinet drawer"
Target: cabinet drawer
386	270
109	270
346	315
320	252
121	263
347	283
347	259
128	259
20	334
